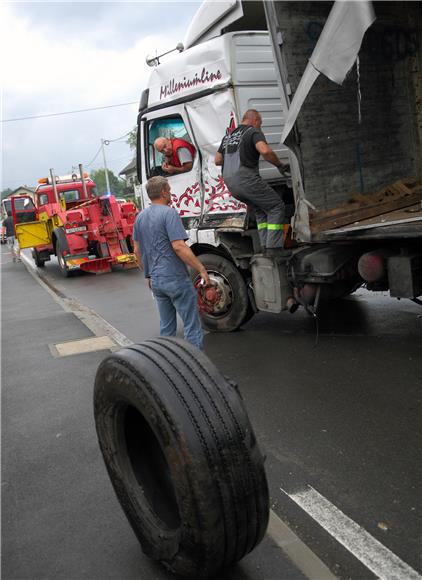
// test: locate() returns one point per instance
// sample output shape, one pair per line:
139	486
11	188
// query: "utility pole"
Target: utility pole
105	142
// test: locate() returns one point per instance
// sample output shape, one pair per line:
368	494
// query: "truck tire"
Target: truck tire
39	262
64	270
234	308
181	455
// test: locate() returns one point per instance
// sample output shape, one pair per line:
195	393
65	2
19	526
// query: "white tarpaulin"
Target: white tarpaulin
336	50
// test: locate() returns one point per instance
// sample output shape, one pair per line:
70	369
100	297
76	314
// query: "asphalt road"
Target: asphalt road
337	409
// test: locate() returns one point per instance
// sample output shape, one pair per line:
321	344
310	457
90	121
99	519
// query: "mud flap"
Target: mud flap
98	266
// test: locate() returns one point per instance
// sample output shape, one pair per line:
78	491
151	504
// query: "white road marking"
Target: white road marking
376	557
92	320
298	552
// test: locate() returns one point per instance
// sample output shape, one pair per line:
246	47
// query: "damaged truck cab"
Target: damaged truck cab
353	141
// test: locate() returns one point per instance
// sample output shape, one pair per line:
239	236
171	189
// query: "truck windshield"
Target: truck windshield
20	203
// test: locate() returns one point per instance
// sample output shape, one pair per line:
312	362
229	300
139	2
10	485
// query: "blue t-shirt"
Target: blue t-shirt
154	229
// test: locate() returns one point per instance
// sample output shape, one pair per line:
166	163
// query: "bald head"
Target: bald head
163	145
252	117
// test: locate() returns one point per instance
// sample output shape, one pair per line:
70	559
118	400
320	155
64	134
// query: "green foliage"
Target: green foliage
116	185
131	140
6	192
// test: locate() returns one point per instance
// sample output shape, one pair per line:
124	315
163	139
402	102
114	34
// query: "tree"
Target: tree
6	192
116	185
131	140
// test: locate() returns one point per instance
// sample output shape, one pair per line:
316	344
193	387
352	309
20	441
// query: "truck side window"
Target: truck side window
169	127
70	195
42	199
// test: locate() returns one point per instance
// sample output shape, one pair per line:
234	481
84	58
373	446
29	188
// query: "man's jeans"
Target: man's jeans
13	246
178	295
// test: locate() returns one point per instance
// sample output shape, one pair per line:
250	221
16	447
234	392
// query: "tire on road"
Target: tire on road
39	262
237	309
64	269
182	456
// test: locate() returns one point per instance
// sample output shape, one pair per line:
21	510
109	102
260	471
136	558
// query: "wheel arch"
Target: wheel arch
221	250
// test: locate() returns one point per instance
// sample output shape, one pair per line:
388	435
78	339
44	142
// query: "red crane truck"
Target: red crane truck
69	220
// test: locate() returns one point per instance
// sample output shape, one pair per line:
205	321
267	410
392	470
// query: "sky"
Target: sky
65	56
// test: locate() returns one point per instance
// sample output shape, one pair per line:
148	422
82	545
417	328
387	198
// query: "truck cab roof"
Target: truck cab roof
216	18
71	191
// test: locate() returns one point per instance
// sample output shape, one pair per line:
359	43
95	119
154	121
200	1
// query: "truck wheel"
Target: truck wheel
64	270
39	262
181	455
227	304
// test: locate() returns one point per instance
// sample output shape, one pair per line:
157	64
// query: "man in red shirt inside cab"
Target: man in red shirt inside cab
178	153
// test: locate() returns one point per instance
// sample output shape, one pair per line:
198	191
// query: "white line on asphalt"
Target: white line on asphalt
91	319
298	552
376	557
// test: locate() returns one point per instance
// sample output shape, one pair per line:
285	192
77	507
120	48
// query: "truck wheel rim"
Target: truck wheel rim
221	303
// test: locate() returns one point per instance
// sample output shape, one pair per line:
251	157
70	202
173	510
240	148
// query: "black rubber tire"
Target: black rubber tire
240	311
64	270
182	456
39	262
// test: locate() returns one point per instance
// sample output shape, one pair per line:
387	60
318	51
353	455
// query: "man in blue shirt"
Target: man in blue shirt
163	255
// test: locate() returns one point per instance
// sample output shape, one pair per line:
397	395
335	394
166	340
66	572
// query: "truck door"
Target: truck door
23	209
186	188
210	118
29	231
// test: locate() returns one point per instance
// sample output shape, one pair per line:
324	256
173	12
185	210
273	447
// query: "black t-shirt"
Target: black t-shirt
249	156
10	228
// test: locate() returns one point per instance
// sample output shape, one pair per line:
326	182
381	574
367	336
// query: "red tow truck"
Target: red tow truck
68	219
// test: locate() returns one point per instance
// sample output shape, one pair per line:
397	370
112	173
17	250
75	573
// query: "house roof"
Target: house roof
21	187
130	167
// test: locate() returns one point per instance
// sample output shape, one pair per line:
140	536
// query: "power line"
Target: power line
119	138
93	159
126	157
106	142
69	113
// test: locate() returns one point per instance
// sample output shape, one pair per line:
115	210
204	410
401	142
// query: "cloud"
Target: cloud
119	24
74	56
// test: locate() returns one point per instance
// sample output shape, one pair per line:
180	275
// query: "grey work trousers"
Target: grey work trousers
249	187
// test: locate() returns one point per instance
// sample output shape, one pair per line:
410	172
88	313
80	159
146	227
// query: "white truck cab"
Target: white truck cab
355	210
197	95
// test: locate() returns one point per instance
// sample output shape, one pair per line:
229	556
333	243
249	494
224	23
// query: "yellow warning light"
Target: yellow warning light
43	180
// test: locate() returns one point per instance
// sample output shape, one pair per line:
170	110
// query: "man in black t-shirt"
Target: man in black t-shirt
12	243
239	154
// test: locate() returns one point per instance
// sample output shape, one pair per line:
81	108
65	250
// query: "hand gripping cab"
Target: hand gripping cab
353	203
68	219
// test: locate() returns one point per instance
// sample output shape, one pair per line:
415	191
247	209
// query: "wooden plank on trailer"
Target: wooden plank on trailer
358	211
